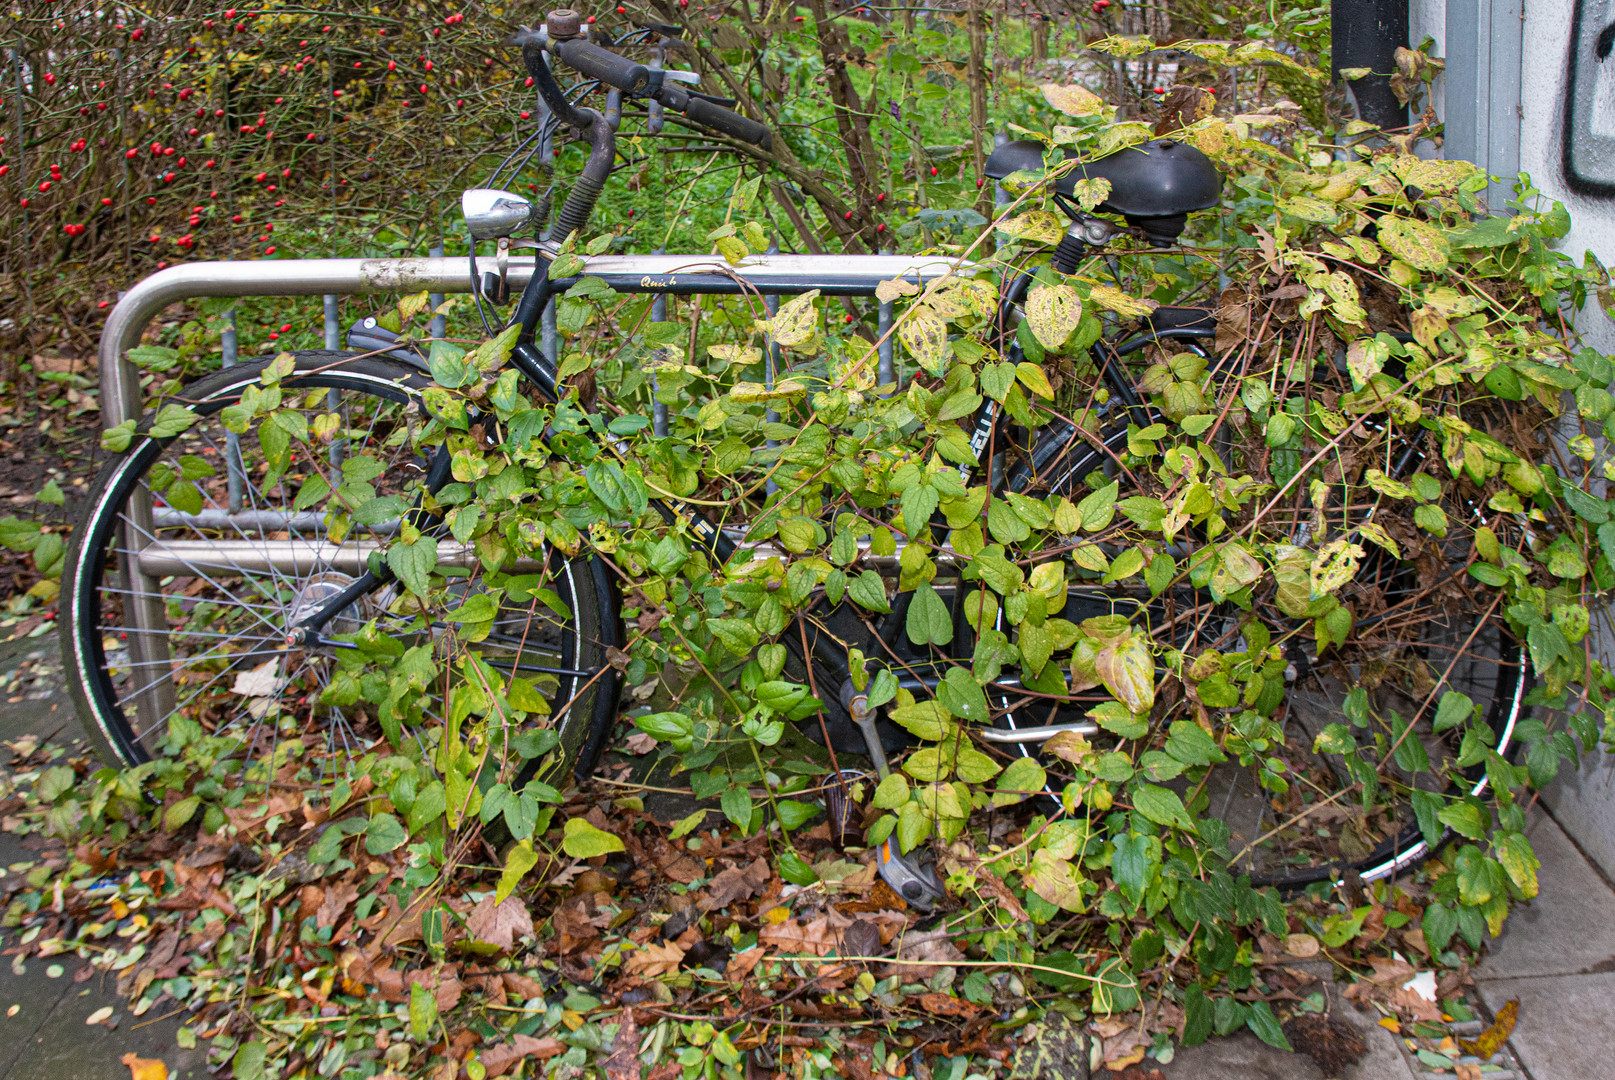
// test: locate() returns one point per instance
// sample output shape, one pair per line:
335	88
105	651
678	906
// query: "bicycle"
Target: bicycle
189	589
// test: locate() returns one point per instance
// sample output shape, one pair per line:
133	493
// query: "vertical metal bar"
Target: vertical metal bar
658	308
888	372
439	326
1000	196
333	342
658	414
234	466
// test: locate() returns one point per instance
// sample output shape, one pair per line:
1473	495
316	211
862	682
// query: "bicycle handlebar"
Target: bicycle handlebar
603	64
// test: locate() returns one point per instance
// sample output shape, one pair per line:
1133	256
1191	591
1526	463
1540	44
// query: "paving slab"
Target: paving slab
1563	1031
1569	928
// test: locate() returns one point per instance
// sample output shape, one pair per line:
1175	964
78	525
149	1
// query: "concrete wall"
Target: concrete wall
1530	87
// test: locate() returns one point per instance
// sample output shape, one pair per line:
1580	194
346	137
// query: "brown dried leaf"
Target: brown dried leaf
655	958
498	1060
499	924
737	883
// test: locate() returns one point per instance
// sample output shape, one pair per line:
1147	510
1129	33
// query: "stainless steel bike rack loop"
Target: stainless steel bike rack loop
120	380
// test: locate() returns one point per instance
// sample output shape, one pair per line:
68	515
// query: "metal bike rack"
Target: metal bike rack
678	274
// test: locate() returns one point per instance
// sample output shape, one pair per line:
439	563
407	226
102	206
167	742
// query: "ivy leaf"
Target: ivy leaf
582	840
928	619
1162	806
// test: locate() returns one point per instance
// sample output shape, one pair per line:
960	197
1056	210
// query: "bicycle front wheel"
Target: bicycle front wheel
195	560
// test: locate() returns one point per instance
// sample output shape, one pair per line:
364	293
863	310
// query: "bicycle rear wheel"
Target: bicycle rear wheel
192	563
1419	633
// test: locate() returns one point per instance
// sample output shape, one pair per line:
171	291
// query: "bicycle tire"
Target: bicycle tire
103	689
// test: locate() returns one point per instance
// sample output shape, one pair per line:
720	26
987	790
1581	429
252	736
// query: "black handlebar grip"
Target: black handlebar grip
729	122
603	64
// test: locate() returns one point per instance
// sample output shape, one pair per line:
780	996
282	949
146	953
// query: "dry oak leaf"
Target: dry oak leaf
145	1068
336	901
740	964
499	1060
816	937
922	960
655	958
947	1005
737	883
499	924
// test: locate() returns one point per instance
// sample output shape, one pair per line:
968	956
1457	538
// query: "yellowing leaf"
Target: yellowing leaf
797	321
1108	296
887	291
1053	312
1038	225
1417	243
1033	378
583	841
145	1068
925	336
748	392
1375	532
1072	100
1334	565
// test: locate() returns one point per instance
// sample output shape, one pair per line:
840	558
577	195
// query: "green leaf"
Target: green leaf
518	861
583	841
1022	777
412	564
794	869
892	792
248	1061
1439	924
928	619
868	590
1131	865
1118	719
687	825
1098	507
1466	818
736	803
384	833
793	814
1266	1026
959	694
1162	806
1189	743
422	1011
1426	810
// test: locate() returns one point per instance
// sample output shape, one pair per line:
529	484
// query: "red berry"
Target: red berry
151	200
193	132
881	227
209	163
286	329
392	65
168	178
881	197
933	170
429	63
102	305
23	203
270	250
50	79
529	81
44	185
261	177
106	202
847	318
273	336
848	215
236	218
526	116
